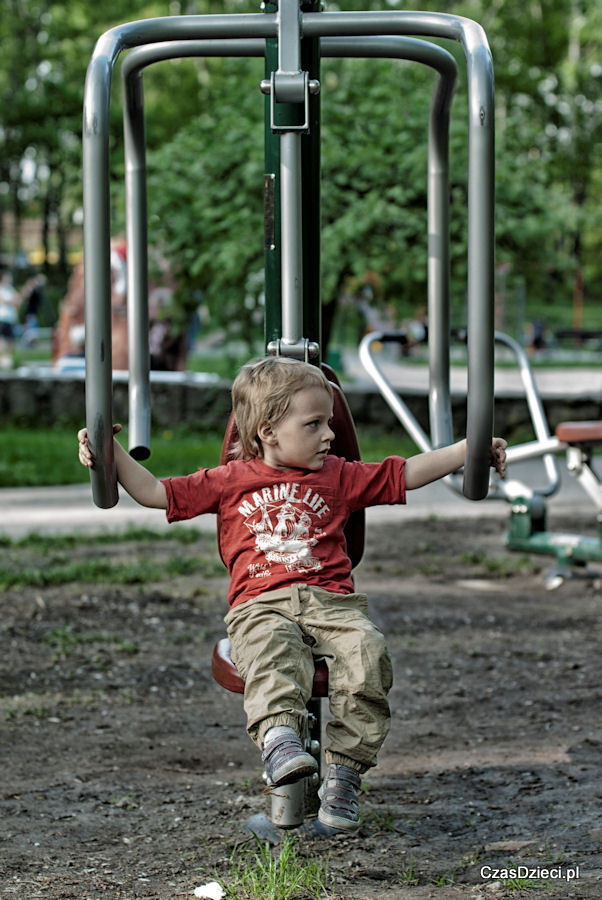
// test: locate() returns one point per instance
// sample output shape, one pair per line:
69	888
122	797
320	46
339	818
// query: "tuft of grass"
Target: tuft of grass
379	819
258	873
408	874
499	566
44	706
523	884
517	883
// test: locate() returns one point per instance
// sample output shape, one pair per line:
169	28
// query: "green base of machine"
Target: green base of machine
528	532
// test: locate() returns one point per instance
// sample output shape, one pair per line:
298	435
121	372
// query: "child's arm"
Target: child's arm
137	481
426	467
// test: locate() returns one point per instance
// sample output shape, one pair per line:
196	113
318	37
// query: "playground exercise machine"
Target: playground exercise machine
292	39
528	530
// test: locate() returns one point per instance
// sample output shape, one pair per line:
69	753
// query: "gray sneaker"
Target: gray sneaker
285	759
339	807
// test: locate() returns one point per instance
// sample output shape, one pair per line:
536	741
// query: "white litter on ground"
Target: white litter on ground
211	891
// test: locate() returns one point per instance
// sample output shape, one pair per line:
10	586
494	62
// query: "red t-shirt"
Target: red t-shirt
285	527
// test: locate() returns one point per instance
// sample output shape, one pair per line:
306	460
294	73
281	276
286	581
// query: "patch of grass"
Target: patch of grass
447	879
66	638
34	709
379	819
225	363
45	543
45	705
429	568
100	571
499	566
126	802
377	443
505	566
42	561
523	884
174	451
258	873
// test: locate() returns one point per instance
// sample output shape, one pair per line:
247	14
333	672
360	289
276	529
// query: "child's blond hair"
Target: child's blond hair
262	392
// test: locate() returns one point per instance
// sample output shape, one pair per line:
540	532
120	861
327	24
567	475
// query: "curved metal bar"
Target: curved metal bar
545	446
538	418
440	415
96	232
480	204
438	204
136	213
395	402
97	279
392	398
139	419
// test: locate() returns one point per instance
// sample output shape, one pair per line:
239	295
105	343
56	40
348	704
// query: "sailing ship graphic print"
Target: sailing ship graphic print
286	522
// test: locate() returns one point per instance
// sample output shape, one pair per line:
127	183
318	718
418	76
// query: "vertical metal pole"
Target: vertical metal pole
292	248
291	238
311	204
312	785
287	808
480	200
289	36
481	239
97	280
137	266
272	255
440	413
289	62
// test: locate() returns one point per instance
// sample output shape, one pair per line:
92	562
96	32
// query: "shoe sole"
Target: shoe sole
337	823
302	769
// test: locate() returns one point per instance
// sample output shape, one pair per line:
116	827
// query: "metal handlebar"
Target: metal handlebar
136	194
248	26
97	278
471	36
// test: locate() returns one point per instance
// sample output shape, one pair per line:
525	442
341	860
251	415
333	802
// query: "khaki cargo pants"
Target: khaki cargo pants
274	639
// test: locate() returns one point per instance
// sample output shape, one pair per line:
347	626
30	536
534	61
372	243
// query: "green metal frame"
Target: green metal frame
528	532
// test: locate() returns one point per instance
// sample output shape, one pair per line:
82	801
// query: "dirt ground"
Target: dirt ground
127	773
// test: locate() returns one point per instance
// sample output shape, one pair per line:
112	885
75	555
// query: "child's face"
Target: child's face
302	438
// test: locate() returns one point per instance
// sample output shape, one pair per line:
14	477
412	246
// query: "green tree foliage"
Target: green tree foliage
204	130
206	197
375	120
46	48
549	142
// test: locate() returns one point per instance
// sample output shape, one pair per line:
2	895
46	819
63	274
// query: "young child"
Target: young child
283	504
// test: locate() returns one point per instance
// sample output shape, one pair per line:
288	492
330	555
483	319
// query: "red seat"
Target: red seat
345	444
579	432
225	672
